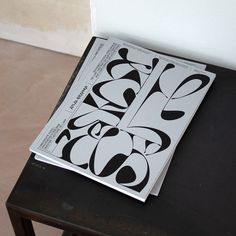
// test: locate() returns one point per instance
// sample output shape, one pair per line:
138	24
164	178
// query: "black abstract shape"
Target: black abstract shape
67	150
92	127
129	96
165	139
171	115
156	87
116	159
96	89
154	62
204	81
102	125
168	66
64	133
125	175
71	124
111	132
139	187
147	143
90	101
133	75
123	52
118	114
113	165
116	162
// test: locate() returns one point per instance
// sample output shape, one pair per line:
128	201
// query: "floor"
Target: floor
31	81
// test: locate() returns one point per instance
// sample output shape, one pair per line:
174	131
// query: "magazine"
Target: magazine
120	125
97	45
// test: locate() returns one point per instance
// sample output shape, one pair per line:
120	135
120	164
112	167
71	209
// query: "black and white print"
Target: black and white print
124	122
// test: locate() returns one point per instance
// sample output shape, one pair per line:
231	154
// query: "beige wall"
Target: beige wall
60	25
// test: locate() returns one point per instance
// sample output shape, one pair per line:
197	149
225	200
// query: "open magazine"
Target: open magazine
123	116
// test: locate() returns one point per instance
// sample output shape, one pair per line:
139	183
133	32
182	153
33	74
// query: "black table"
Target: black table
198	196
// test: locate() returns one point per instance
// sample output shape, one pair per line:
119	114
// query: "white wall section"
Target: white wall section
204	30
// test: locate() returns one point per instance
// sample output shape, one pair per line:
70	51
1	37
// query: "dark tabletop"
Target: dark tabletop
198	196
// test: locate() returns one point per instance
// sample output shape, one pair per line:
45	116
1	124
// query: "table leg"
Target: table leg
21	225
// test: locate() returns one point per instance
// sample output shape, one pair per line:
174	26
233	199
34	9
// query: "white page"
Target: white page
45	143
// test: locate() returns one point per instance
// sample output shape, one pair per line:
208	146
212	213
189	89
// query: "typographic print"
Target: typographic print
118	128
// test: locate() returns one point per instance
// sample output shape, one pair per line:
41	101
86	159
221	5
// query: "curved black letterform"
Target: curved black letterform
204	81
67	150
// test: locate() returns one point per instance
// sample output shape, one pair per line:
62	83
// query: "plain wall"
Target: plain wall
60	25
204	30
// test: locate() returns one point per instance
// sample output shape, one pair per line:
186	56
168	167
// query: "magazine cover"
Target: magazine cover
123	122
96	47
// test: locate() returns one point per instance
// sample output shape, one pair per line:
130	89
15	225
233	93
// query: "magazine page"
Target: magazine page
126	118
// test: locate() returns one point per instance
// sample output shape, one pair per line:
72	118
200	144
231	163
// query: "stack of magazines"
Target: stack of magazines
123	116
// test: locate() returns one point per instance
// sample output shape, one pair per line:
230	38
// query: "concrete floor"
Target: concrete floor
31	81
